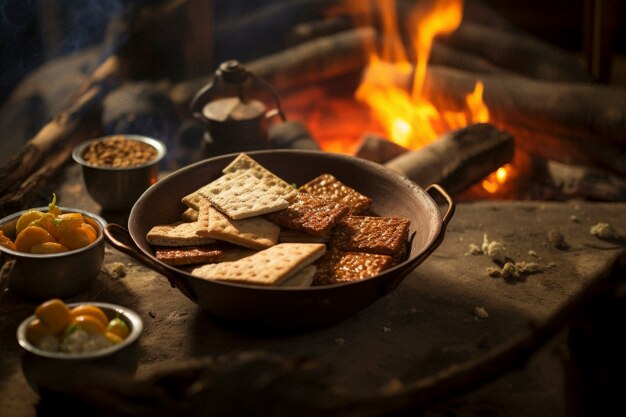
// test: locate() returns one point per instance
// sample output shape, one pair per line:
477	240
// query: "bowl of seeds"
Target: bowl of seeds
117	169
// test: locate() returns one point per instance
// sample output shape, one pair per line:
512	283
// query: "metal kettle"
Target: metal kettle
235	120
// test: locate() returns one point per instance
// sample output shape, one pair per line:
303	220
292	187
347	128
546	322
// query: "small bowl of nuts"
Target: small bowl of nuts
66	342
117	169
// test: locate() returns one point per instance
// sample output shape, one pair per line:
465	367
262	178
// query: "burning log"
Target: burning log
379	149
568	122
579	113
457	159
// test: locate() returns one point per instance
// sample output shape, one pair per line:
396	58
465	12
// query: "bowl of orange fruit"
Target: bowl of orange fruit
66	342
51	251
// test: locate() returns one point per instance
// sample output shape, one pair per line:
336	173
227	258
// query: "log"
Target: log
519	52
315	61
578	111
458	159
377	148
567	182
584	123
291	134
60	133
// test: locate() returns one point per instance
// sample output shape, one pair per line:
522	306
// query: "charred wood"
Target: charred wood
457	159
315	61
518	52
577	111
376	148
291	134
568	181
60	133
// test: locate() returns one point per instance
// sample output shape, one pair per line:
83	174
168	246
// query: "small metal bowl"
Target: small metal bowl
117	188
60	371
55	275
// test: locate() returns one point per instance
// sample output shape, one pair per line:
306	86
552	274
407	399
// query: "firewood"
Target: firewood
581	121
579	111
376	148
60	132
517	51
318	60
568	181
291	134
457	159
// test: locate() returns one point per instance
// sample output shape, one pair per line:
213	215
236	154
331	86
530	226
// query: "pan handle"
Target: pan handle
447	216
451	206
120	238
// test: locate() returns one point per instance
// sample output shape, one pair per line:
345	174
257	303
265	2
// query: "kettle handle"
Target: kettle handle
234	73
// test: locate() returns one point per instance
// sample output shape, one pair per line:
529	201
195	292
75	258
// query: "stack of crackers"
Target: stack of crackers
250	226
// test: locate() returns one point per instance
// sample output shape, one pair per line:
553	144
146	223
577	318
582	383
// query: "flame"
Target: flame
406	116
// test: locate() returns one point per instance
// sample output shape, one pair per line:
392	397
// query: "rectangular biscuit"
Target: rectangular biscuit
329	187
338	266
177	234
189	215
253	232
194	200
309	214
372	234
267	267
247	193
301	279
188	255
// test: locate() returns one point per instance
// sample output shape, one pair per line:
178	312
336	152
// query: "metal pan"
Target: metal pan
290	308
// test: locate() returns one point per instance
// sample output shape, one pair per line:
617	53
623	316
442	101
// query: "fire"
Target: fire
406	116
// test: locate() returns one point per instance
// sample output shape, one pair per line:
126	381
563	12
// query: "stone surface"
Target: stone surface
448	310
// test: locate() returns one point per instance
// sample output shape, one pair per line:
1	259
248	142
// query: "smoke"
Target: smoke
35	31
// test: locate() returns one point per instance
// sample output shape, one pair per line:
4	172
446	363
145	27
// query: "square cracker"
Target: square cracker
372	234
329	187
177	234
310	214
247	193
301	279
267	267
194	200
188	255
253	232
337	266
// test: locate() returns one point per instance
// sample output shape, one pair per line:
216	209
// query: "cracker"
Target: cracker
177	234
301	279
247	193
194	200
253	232
266	267
188	255
373	234
310	214
243	162
338	266
189	215
329	187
